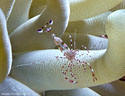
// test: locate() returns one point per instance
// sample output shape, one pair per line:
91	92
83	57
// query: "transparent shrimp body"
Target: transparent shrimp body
71	55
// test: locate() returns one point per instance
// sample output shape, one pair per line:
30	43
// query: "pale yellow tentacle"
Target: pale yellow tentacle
36	7
19	14
7	6
81	9
5	49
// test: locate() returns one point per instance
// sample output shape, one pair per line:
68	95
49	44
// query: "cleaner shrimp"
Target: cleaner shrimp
70	55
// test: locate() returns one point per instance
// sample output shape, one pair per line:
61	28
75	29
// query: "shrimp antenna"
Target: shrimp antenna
74	39
70	38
